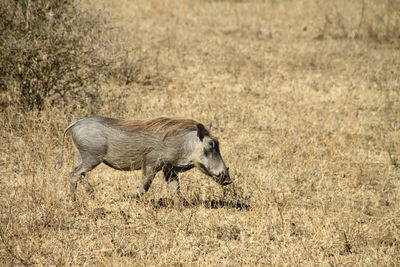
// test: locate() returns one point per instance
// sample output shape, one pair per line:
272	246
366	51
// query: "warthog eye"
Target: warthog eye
211	144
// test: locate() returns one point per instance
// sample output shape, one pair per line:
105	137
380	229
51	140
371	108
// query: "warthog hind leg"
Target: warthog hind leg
78	174
147	178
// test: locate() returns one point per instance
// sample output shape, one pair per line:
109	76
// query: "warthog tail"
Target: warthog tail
60	161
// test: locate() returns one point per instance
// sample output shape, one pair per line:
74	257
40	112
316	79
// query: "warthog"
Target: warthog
171	145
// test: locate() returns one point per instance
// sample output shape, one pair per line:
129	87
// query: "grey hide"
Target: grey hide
171	145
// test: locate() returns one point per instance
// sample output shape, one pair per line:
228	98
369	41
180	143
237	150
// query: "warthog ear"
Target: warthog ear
201	131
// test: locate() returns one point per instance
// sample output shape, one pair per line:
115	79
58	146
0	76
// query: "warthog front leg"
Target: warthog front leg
171	177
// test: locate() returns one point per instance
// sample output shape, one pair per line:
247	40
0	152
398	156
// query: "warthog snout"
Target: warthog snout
224	178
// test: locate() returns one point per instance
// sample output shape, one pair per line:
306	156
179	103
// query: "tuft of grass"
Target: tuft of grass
374	20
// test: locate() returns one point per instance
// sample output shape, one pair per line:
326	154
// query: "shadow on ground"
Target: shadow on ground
208	203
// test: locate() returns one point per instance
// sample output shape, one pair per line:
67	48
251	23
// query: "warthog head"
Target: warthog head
208	157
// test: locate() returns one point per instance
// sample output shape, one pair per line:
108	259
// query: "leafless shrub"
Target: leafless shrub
45	54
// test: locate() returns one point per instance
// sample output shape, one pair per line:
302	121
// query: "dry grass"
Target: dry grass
304	97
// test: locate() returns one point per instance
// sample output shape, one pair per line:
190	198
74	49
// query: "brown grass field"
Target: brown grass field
304	97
